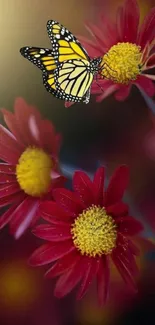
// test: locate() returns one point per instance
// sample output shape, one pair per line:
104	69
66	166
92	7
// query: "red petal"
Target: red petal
84	187
147	31
98	34
50	210
7	155
64	264
133	248
36	217
70	279
109	91
129	21
50	252
23	215
118	209
117	185
53	220
120	21
7	179
68	104
7	190
126	257
122	93
150	64
8	169
98	184
109	32
145	84
23	112
33	134
150	76
7	216
68	200
104	83
127	244
145	54
12	124
129	226
50	233
7	139
125	274
12	198
91	47
105	34
57	182
88	277
48	136
103	279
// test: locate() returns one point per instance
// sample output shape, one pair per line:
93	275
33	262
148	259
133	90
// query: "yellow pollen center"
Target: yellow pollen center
33	171
122	63
94	232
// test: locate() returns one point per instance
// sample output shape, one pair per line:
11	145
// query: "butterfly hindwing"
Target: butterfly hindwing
64	43
73	79
49	83
41	57
70	82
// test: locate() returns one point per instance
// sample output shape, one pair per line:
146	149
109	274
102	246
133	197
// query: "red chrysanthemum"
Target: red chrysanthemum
127	51
121	299
30	171
88	227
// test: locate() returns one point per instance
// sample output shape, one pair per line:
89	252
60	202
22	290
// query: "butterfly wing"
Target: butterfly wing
64	43
41	57
73	80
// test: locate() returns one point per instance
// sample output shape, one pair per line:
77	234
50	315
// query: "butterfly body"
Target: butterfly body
68	71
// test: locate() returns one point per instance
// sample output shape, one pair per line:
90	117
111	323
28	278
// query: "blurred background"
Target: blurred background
110	132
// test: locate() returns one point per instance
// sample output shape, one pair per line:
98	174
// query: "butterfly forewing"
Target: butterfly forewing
41	57
64	43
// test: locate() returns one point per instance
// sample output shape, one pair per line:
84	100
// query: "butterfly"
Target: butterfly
67	69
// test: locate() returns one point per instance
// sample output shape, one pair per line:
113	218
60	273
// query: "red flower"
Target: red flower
87	227
120	299
127	51
29	173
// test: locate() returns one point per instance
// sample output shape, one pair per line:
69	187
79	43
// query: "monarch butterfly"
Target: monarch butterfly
68	71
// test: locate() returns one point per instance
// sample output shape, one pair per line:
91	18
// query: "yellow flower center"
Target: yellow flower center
33	171
122	63
94	232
